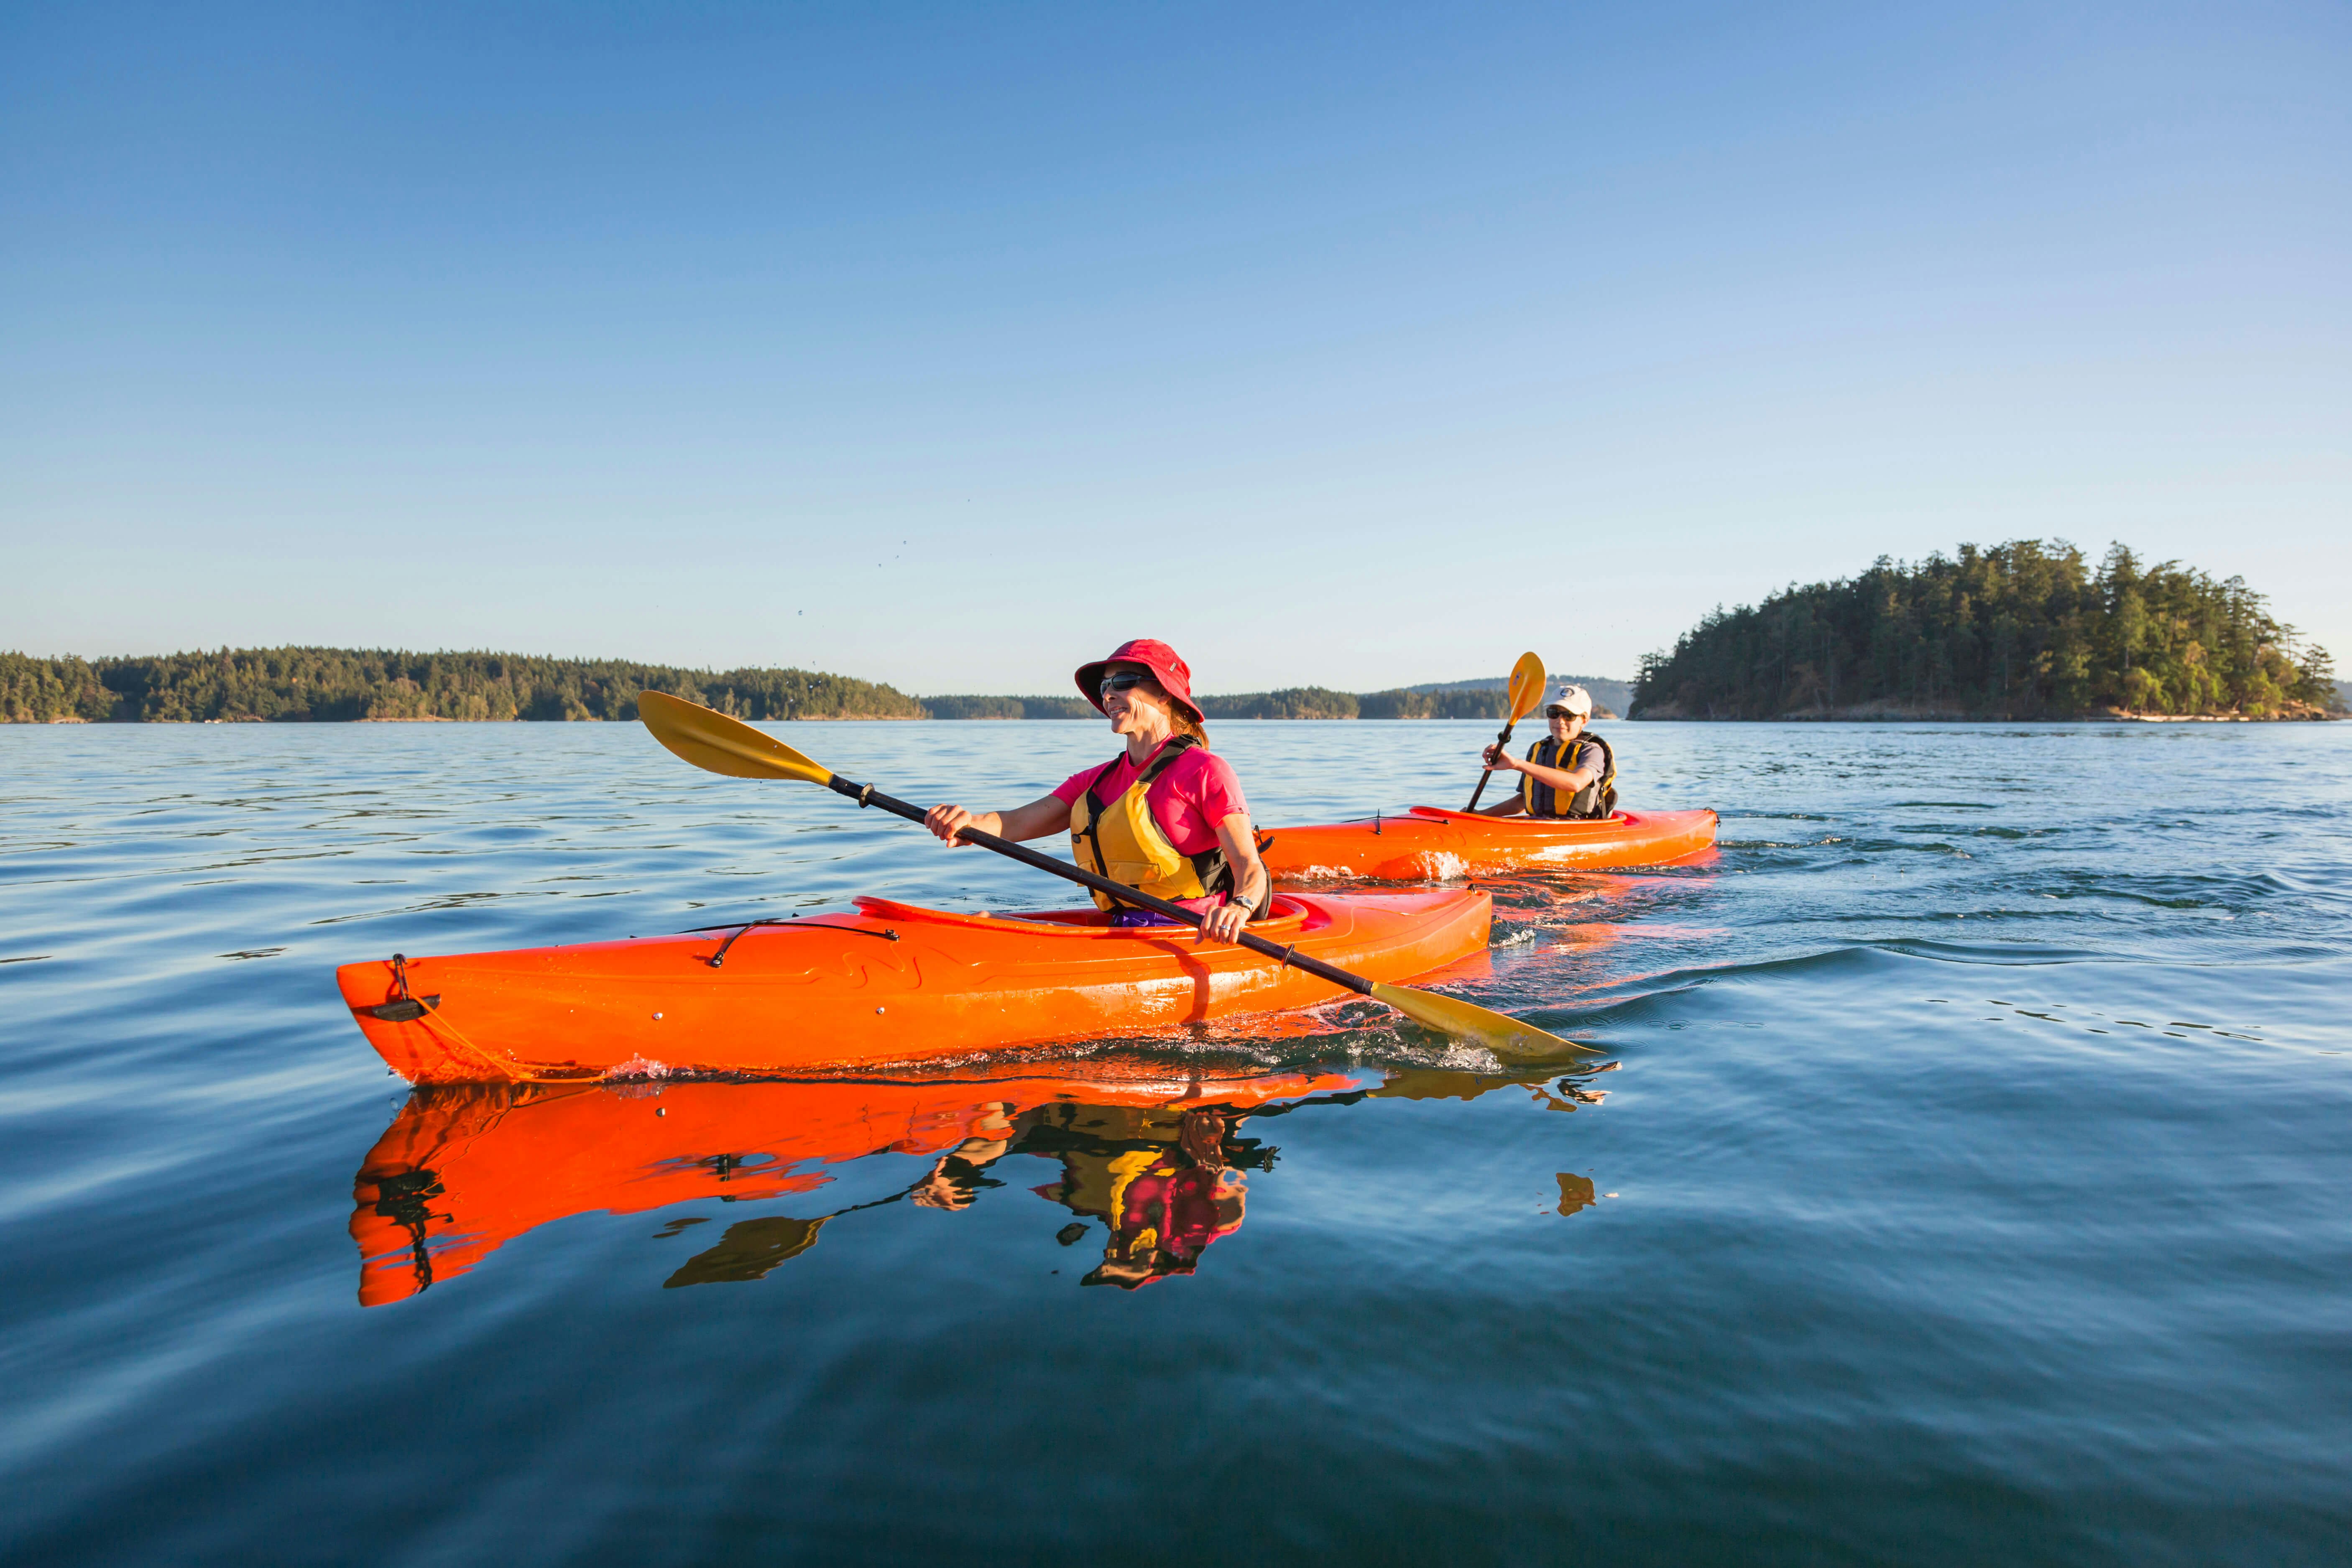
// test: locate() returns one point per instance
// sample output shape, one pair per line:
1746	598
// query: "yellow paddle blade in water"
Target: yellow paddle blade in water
1526	685
713	742
749	1249
1498	1032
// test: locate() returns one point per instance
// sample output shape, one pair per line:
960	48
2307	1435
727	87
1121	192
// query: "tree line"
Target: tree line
333	684
325	685
2022	630
1291	702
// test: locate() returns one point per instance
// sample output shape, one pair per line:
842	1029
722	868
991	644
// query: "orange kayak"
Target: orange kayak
1432	844
891	984
465	1169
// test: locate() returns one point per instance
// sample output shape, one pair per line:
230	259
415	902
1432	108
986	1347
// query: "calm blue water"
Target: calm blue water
1972	1187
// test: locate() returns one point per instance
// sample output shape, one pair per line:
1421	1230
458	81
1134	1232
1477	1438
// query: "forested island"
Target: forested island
330	684
2022	630
326	685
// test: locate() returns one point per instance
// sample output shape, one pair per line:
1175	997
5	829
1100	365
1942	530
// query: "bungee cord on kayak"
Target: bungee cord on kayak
742	928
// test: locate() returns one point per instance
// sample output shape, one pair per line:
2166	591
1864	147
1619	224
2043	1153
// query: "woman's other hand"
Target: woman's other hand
947	821
1225	923
941	1189
1240	844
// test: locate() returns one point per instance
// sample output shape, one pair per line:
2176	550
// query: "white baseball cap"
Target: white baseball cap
1575	699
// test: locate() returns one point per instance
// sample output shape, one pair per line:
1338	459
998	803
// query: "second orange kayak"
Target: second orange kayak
891	984
1432	844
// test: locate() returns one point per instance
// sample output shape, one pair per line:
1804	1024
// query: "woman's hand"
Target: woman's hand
1035	820
1498	759
1240	844
947	821
941	1190
1225	922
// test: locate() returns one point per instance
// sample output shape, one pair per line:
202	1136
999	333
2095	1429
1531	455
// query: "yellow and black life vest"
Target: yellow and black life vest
1126	843
1598	798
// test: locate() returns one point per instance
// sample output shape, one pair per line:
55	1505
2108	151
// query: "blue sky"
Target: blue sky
948	345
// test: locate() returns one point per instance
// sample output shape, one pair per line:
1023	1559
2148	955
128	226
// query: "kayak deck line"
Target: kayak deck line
831	998
719	958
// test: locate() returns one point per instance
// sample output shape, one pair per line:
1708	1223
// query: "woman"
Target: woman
1568	774
1166	817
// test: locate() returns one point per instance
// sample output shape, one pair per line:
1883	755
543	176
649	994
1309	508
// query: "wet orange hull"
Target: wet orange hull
892	983
465	1169
1432	845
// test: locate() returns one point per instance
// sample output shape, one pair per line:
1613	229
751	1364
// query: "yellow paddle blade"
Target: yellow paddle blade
1498	1032
750	1248
1526	685
713	742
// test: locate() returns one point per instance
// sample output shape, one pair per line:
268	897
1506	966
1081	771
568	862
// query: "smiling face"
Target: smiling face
1141	709
1564	724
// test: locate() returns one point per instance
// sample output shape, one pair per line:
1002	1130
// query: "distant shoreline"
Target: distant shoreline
2312	717
2308	715
327	685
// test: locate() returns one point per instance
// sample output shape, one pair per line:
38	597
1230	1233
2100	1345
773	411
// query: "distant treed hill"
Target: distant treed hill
2019	630
1462	700
1009	707
328	684
1318	702
1614	695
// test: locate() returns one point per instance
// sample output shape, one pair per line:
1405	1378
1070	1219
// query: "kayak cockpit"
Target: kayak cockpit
1288	915
1507	824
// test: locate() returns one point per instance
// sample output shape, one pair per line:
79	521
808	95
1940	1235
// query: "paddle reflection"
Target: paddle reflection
1155	1167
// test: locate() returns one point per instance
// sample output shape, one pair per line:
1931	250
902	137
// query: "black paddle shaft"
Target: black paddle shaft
866	794
1502	740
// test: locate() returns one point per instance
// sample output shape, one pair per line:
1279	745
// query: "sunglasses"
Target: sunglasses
1122	683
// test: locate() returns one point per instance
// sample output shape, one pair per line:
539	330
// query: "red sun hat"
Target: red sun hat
1175	677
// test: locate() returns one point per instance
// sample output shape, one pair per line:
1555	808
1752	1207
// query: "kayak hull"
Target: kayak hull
1431	844
891	984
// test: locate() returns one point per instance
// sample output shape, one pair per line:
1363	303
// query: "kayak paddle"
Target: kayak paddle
716	744
1526	690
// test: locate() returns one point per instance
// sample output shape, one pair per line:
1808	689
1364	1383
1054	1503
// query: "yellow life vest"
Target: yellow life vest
1124	842
1598	798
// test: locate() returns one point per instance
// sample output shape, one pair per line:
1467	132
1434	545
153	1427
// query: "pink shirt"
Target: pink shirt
1188	801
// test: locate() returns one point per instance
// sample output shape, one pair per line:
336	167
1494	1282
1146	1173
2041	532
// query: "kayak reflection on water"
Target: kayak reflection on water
1156	1155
